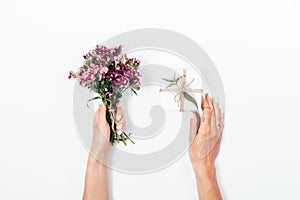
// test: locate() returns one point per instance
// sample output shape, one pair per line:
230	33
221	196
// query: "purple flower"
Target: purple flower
107	67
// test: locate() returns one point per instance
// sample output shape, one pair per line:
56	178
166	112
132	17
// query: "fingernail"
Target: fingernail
193	115
216	100
119	126
118	117
119	132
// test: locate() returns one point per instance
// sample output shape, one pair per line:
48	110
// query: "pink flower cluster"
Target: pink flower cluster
106	53
108	73
89	74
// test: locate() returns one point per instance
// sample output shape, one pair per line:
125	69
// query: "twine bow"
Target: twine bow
181	92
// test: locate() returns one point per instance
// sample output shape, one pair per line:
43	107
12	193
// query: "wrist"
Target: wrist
100	152
95	162
204	170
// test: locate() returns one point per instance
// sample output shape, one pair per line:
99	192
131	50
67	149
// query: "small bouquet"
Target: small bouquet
109	74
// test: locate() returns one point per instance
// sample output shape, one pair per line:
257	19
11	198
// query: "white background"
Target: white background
254	44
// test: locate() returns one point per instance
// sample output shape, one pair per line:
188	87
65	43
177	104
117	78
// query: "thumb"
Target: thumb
102	113
193	127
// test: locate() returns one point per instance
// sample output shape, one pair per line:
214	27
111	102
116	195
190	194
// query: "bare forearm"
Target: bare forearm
207	185
96	181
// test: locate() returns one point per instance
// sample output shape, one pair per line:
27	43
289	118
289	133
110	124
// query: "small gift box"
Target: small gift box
181	93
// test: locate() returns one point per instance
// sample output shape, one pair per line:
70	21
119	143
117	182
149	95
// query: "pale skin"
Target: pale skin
204	165
96	179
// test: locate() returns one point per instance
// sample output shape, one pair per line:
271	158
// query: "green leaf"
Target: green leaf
92	100
123	139
190	99
176	81
171	85
128	137
168	80
123	59
119	95
117	137
132	90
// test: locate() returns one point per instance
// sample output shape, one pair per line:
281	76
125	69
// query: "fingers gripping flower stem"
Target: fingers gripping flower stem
115	135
